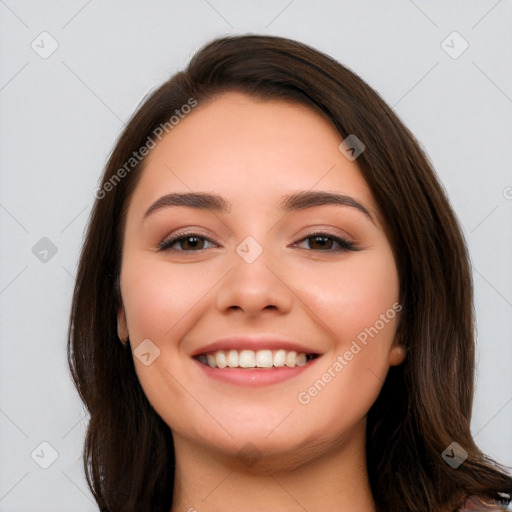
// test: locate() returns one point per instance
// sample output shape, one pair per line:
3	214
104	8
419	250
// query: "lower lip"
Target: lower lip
254	376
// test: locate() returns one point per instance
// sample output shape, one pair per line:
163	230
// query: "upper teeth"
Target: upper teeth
252	359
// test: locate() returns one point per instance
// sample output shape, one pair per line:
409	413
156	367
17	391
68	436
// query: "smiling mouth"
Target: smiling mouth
255	359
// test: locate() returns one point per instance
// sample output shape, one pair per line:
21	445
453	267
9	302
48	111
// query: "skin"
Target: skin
310	456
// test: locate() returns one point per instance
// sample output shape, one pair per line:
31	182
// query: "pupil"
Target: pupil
195	242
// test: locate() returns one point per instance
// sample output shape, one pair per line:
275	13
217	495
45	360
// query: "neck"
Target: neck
336	480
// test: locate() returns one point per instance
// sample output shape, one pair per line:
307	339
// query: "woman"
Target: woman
273	307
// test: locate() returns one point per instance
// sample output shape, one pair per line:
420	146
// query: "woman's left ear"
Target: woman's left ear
122	331
397	355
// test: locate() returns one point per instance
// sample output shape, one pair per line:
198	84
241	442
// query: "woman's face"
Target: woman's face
296	270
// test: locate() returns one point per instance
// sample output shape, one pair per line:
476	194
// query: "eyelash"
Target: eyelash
345	245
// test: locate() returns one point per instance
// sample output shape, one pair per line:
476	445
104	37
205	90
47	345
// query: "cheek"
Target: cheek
158	296
354	296
360	307
162	303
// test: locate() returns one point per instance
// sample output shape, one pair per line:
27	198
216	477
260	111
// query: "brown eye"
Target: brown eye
319	242
185	243
324	242
191	243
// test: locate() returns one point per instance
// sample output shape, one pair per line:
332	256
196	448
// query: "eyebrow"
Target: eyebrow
292	202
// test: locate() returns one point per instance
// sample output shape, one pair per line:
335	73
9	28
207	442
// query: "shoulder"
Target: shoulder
474	504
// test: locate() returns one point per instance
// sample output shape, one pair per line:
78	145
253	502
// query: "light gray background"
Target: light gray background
61	115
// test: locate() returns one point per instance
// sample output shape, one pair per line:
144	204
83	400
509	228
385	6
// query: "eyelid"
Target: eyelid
328	231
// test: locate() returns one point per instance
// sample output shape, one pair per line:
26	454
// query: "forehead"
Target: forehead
250	151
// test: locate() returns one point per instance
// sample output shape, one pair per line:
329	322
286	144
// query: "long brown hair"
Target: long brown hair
425	403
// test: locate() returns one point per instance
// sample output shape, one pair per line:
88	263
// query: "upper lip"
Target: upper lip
253	343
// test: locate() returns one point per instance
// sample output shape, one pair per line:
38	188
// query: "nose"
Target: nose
255	287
